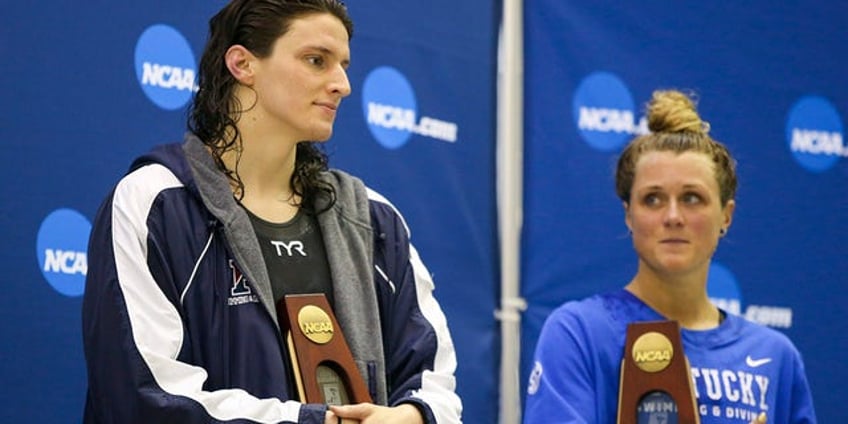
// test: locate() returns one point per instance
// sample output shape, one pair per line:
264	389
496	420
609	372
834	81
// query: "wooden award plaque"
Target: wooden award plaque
655	367
323	366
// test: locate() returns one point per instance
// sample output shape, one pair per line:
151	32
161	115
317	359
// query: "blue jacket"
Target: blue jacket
179	323
739	369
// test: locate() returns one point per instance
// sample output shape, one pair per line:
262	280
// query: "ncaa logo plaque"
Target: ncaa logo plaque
656	385
322	363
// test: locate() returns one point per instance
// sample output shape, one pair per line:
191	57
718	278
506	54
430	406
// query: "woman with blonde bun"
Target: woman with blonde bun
677	186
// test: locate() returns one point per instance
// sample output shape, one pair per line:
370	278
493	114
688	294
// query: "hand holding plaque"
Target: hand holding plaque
323	365
656	384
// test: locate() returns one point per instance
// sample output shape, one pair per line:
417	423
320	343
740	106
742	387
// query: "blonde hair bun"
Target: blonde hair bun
672	111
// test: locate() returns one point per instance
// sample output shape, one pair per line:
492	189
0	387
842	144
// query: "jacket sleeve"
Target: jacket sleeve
561	388
802	410
420	355
134	330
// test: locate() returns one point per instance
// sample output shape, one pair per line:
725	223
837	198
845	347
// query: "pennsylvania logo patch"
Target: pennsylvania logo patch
240	292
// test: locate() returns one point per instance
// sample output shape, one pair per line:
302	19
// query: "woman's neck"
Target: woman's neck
265	166
681	298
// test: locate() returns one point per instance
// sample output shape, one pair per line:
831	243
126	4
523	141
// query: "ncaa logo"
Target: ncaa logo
814	134
603	112
391	111
723	290
164	66
61	248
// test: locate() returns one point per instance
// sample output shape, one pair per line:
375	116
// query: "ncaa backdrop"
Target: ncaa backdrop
90	85
771	78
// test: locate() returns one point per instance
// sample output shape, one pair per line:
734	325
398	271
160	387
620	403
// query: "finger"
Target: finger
358	411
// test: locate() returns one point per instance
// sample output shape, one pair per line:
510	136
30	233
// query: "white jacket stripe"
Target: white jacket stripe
155	323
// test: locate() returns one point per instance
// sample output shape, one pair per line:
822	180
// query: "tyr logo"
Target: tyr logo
294	245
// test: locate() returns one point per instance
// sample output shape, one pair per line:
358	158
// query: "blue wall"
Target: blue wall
76	112
771	81
78	108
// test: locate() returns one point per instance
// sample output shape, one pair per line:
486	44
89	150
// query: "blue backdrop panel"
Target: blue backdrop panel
79	107
772	85
445	52
73	118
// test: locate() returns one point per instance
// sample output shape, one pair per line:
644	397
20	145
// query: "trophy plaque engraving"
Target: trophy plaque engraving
323	366
656	384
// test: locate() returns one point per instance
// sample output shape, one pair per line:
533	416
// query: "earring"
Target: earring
722	232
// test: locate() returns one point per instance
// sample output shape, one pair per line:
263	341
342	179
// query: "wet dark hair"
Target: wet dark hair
256	25
676	127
